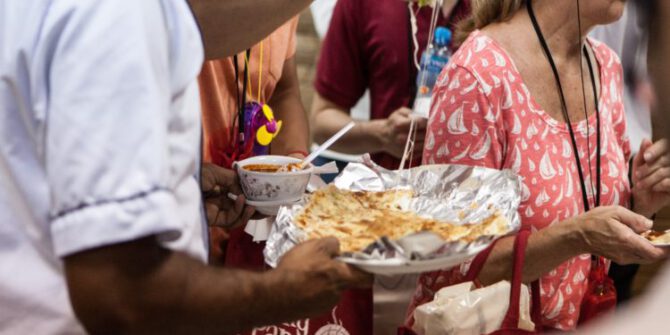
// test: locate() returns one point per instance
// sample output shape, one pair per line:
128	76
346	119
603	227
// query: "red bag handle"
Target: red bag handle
478	263
512	317
536	311
510	324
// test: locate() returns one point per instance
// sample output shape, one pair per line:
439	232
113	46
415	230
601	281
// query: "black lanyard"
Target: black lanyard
566	116
241	96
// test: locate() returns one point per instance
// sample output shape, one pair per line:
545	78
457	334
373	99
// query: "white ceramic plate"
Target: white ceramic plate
398	266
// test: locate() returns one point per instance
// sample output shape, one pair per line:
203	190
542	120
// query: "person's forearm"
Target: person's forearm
294	136
287	106
365	137
178	295
546	250
241	301
231	26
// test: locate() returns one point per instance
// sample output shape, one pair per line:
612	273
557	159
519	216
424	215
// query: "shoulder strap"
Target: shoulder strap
536	311
512	318
410	57
478	263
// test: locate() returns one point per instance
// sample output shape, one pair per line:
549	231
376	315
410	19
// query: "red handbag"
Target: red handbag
600	297
510	324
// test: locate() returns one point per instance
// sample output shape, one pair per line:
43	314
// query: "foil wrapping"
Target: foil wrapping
456	194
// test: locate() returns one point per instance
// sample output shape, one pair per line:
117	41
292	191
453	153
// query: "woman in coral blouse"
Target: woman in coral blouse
543	100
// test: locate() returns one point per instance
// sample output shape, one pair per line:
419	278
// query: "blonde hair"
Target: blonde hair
485	12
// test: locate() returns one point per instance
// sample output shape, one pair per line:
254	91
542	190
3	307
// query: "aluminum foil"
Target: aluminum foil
450	193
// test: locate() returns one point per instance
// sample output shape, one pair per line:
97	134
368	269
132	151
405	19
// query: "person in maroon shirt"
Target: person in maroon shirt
369	46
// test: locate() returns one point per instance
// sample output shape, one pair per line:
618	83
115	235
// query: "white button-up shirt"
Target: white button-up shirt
99	139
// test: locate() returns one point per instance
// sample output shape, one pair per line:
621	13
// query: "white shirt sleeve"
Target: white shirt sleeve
107	123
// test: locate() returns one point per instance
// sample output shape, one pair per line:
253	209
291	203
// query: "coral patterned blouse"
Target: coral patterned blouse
483	114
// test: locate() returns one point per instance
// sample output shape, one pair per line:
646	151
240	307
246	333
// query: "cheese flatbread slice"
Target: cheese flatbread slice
357	219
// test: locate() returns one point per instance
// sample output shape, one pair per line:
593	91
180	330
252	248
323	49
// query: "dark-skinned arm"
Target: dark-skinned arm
231	26
142	288
658	55
288	108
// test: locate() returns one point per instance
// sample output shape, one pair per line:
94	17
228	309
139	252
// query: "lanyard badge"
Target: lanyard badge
260	127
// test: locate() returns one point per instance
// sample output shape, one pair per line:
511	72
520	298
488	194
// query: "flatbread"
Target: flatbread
357	219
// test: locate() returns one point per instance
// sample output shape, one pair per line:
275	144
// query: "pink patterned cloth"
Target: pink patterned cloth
484	115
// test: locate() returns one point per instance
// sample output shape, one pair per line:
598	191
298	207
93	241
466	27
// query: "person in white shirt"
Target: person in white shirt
101	224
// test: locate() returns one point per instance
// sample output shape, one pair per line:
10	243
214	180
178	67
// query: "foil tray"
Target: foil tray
456	194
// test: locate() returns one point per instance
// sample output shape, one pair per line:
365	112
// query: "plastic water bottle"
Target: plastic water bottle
433	60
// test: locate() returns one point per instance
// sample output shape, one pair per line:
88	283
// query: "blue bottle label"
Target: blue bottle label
436	64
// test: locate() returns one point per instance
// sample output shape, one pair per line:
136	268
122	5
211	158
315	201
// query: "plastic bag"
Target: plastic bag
460	310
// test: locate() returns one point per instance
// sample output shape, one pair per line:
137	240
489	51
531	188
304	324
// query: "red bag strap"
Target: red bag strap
599	267
511	320
536	311
478	263
512	317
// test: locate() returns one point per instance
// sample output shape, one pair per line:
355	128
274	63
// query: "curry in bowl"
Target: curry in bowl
273	168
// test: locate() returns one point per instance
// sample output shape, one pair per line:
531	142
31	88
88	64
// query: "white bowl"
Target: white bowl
270	208
273	186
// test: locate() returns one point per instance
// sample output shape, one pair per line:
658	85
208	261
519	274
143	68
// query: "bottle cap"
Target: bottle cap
442	36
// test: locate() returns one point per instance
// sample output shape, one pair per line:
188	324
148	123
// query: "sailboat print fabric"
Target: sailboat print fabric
484	115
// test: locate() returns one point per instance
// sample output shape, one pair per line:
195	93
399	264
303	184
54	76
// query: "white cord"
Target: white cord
411	139
415	40
409	145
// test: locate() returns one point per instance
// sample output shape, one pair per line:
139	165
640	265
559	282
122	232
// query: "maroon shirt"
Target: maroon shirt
368	46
